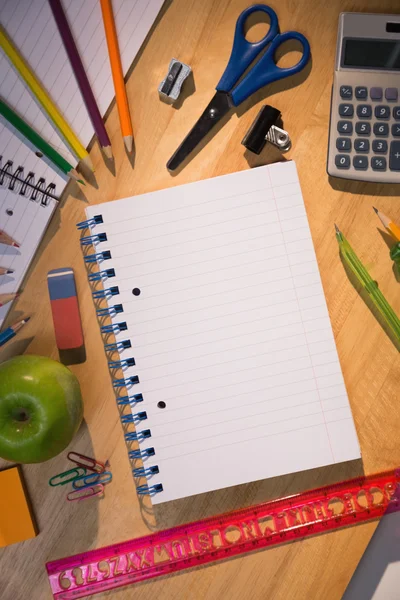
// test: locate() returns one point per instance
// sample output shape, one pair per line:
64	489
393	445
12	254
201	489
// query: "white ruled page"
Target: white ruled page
230	330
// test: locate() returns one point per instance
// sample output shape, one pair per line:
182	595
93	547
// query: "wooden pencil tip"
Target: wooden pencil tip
75	176
9	271
128	141
108	152
337	229
375	209
87	161
16	245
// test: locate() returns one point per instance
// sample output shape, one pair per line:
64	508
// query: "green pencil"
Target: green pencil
38	141
364	278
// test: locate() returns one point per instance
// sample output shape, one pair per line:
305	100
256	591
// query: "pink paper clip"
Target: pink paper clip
85	461
86	492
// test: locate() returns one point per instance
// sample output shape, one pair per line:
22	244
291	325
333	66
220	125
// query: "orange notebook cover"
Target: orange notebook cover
16	519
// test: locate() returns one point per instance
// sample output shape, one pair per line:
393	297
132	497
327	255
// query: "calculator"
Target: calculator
364	131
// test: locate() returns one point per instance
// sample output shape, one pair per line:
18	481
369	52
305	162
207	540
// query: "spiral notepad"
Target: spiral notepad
217	333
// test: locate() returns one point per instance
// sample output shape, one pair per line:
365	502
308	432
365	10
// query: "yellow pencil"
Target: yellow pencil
388	224
43	98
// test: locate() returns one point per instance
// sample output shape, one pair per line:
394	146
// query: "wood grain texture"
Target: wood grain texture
200	34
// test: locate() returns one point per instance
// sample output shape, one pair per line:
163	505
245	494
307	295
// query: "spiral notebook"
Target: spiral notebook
217	333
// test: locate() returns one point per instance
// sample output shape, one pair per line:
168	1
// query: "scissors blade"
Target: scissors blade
217	108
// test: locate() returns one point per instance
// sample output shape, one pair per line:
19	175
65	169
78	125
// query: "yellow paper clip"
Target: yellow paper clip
67	476
86	492
85	461
92	478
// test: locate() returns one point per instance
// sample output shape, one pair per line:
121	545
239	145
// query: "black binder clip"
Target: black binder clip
265	129
170	87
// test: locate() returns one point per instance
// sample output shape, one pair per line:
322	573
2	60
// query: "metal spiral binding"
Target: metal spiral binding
97	257
132	380
114	328
105	294
96	220
110	312
91	240
136	418
125	400
129	400
141	454
145	472
118	346
138	436
101	275
121	364
146	490
16	182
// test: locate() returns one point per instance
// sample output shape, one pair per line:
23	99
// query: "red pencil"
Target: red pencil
8	240
81	77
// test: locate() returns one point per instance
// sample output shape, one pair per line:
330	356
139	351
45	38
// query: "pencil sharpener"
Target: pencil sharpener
265	129
171	87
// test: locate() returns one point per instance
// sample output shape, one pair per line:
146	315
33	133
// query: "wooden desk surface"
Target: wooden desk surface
200	34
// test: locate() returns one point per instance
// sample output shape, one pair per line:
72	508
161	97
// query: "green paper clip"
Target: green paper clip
67	476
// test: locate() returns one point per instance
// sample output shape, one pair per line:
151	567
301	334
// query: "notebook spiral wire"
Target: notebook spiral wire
14	179
119	355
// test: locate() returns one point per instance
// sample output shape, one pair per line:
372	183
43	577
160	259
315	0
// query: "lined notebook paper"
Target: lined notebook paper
230	331
32	27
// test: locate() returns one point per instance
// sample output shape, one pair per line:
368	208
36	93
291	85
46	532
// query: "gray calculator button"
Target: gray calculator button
381	129
394	159
361	145
360	163
391	94
378	163
376	93
380	146
346	92
396	130
345	127
361	92
342	161
363	128
346	110
364	111
343	144
396	113
382	112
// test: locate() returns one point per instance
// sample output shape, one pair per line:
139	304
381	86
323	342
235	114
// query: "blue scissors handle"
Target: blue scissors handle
266	71
244	52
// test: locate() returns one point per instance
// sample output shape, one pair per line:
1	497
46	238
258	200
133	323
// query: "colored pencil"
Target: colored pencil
117	74
6	298
43	98
11	331
37	141
391	227
81	77
5	271
8	240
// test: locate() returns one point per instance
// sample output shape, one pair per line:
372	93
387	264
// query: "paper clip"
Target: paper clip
91	479
63	478
86	462
87	492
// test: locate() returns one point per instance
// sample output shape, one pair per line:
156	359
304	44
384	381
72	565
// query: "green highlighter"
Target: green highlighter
351	259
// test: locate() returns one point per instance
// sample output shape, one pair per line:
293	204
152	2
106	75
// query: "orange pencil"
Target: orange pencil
6	298
389	224
117	74
7	239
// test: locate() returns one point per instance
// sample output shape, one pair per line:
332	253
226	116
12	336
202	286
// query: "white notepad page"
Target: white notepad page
23	219
33	30
231	330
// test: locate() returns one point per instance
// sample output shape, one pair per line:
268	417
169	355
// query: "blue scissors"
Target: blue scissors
264	71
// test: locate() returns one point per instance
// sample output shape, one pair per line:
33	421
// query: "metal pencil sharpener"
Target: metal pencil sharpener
170	87
265	129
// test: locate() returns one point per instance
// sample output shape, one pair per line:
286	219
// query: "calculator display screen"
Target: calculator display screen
371	54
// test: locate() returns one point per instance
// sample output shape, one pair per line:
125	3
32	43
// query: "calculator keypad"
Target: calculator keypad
368	136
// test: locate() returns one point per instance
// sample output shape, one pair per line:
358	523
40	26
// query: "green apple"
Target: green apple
41	408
